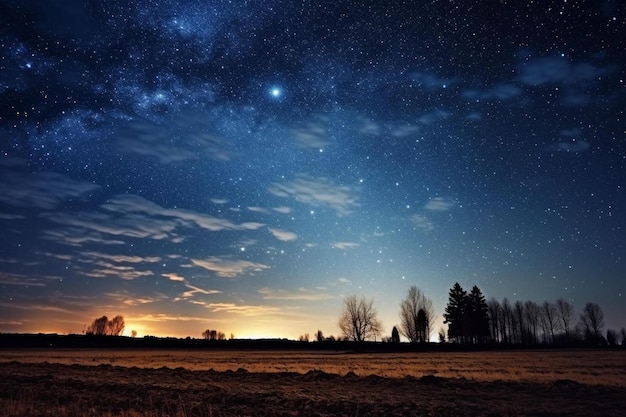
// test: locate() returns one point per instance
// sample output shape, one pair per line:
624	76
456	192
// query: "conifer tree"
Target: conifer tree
454	313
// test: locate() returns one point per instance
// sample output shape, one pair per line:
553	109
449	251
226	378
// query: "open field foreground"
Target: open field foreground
208	383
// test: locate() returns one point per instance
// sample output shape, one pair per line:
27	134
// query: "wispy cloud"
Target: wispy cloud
124	272
301	294
344	245
282	210
319	192
173	277
7	278
501	92
559	70
439	204
573	146
122	258
430	81
44	190
227	268
421	222
311	136
193	290
129	203
244	310
184	137
283	235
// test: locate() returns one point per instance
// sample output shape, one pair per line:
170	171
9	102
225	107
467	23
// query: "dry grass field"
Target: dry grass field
177	383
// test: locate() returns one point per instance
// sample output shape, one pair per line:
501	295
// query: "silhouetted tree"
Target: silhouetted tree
611	337
478	312
98	327
116	326
359	319
409	312
133	333
442	335
622	333
565	313
395	335
104	327
319	336
519	322
495	316
206	334
549	321
455	313
592	321
507	322
304	338
532	314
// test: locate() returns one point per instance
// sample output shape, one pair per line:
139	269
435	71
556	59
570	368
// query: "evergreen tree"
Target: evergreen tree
395	335
478	312
455	312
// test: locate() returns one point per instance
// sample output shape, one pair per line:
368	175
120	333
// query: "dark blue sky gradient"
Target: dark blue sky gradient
245	165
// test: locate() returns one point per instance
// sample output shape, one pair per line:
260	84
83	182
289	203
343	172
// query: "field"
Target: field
178	383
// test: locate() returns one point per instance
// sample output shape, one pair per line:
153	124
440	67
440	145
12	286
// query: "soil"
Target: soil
46	389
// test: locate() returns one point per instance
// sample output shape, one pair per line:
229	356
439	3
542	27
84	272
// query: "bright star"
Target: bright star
276	92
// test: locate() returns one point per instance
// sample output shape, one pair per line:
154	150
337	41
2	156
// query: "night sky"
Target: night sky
245	165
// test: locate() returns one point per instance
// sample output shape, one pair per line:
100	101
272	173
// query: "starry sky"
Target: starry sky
245	165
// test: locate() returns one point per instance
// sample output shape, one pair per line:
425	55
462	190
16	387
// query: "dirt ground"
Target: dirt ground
55	389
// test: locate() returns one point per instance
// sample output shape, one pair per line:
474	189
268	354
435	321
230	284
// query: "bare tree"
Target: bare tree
206	334
592	320
565	312
319	336
506	325
495	316
116	326
532	314
98	327
133	333
359	319
549	319
414	327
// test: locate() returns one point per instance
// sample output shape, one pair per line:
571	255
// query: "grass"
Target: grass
603	367
162	383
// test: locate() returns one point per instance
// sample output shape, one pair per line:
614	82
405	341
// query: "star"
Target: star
276	92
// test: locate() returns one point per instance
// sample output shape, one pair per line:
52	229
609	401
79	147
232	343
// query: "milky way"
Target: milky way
245	165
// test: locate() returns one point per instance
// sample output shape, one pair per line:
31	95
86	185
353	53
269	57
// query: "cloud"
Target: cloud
226	268
129	203
74	236
318	192
282	210
501	92
118	271
439	204
45	190
344	280
573	146
131	225
301	294
173	277
559	70
245	310
283	235
193	290
344	245
7	278
122	258
311	136
430	81
184	137
421	222
129	300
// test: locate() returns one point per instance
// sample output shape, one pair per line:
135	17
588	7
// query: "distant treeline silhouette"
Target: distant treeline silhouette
472	320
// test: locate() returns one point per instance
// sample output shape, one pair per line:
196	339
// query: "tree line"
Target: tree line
471	319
